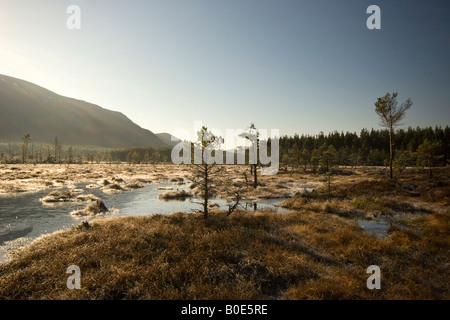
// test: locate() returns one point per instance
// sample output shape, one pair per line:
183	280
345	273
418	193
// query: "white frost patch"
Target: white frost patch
165	188
9	247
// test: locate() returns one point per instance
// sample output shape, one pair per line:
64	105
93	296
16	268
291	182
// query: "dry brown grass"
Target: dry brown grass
368	195
412	184
92	209
179	195
247	256
316	252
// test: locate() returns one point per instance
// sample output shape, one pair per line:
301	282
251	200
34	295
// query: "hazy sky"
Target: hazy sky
301	66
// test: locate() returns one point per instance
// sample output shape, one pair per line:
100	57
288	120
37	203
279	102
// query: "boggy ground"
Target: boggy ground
29	178
316	252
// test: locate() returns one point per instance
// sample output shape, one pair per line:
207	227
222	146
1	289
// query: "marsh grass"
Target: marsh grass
95	208
245	256
175	195
316	252
67	196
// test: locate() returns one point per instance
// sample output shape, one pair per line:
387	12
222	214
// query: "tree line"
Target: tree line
298	152
55	152
411	147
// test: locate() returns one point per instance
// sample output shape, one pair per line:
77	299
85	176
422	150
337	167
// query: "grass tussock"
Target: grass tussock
136	184
245	256
171	195
113	187
93	209
67	196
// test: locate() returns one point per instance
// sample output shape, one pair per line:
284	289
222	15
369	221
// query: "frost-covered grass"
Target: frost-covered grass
93	209
316	252
244	256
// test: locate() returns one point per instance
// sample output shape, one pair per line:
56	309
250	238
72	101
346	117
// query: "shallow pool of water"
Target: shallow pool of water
23	217
378	227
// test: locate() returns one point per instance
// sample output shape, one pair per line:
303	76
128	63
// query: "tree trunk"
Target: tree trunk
431	172
205	200
255	175
391	154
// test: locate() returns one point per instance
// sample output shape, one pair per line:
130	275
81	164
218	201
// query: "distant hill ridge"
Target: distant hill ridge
28	108
168	139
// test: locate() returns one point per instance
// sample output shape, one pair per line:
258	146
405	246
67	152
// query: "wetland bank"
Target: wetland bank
314	250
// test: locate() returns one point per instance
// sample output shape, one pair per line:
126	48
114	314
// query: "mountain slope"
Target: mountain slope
167	139
26	107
